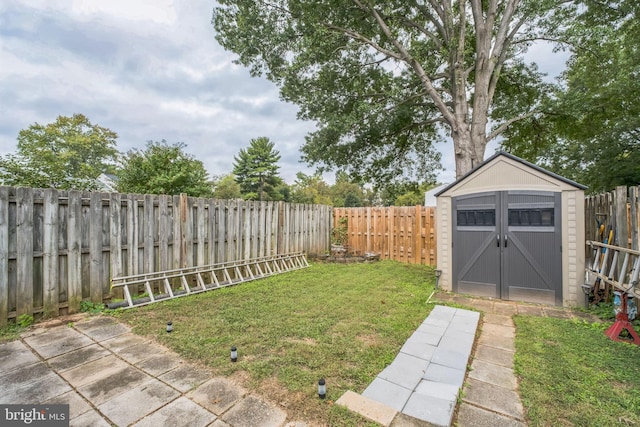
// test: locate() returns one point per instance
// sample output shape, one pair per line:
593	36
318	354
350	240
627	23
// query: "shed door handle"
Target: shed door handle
506	240
497	240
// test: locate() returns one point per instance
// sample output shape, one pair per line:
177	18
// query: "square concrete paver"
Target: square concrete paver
444	374
495	355
103	389
530	310
440	390
368	408
139	352
77	405
255	412
95	370
137	403
78	357
180	412
105	332
31	384
217	395
425	337
498	319
15	354
418	349
185	377
451	358
497	341
57	341
387	393
458	341
498	330
123	341
493	374
89	419
431	409
159	363
494	398
405	370
508	309
472	416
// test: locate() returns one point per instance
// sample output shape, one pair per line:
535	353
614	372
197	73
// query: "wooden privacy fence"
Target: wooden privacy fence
618	209
401	233
60	247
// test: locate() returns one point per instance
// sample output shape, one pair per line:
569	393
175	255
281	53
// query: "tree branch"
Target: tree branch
497	131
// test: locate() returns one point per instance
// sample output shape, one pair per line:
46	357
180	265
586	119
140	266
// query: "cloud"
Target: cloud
148	70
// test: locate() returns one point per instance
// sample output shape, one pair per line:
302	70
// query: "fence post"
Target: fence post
95	248
620	208
183	229
50	254
24	246
4	255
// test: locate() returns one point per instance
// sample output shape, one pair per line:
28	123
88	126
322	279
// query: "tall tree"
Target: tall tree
67	154
163	168
592	133
226	187
311	189
256	170
385	79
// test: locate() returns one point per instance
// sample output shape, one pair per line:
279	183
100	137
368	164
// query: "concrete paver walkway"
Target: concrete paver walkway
109	376
399	396
424	379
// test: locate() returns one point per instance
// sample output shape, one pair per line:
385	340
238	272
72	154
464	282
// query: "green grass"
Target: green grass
571	374
340	322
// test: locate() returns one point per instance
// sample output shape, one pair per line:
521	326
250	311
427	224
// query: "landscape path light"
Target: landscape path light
322	388
234	354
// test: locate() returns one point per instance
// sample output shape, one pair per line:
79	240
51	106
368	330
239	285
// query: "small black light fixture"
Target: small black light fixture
234	354
169	326
322	388
438	274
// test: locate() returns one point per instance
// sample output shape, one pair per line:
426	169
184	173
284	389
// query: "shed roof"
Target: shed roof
514	158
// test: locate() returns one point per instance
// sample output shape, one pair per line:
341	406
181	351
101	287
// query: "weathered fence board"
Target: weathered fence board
4	255
60	247
401	233
618	210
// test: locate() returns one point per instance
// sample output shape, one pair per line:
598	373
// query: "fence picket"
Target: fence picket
24	250
4	255
50	253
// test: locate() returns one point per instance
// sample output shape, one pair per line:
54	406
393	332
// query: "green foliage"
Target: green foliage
256	170
385	80
311	189
87	306
226	187
67	154
24	320
163	169
592	131
339	233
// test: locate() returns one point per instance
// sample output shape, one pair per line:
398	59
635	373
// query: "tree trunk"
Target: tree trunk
469	149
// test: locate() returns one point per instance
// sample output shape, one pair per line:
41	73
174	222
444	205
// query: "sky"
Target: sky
148	70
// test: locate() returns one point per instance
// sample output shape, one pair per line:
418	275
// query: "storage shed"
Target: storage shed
514	231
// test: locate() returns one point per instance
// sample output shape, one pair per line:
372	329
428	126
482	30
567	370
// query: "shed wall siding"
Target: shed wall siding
444	235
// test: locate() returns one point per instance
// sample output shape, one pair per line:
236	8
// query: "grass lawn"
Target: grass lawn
571	374
341	322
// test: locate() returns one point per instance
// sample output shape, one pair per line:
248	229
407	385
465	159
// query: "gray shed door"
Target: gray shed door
507	245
